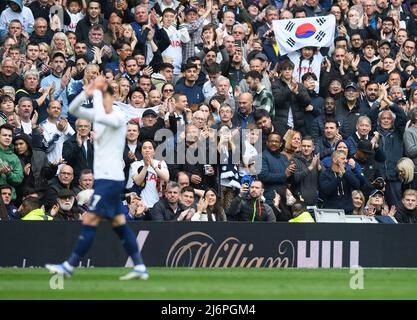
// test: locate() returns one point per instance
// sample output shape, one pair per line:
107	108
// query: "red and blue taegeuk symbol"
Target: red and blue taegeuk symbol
305	30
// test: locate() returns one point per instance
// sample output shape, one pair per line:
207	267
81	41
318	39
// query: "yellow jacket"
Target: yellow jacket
304	217
36	214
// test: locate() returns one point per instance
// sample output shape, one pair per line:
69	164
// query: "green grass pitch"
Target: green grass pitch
182	283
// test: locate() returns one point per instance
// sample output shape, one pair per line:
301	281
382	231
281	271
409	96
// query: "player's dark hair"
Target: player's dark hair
110	90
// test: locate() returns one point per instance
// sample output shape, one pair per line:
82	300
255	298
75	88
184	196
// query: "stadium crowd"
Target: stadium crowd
333	127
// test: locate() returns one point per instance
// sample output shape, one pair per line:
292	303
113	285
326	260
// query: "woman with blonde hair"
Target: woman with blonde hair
358	201
127	34
44	52
406	173
60	42
124	88
292	144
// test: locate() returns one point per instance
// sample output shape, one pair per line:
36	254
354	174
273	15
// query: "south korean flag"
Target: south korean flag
294	34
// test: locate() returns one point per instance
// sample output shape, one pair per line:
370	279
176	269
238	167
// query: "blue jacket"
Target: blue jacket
273	173
239	120
335	191
194	94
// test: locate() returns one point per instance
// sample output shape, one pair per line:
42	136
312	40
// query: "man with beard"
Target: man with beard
356	42
60	79
65	208
262	98
188	86
408	53
317	129
407	210
170	207
252	207
387	29
371	94
264	122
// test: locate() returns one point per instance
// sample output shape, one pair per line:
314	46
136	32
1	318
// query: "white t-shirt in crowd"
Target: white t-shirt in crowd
150	194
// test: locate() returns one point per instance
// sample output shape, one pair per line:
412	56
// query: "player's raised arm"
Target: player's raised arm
75	106
103	100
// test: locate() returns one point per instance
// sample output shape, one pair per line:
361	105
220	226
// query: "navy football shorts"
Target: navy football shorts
106	201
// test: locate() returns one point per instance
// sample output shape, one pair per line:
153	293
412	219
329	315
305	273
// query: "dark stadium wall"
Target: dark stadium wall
32	244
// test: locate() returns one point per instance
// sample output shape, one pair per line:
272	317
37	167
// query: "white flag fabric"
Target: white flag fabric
294	34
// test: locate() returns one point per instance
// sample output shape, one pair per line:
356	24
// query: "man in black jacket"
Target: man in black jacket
306	176
91	18
168	208
291	98
250	205
64	180
132	150
351	110
329	107
78	150
152	122
41	32
8	75
407	211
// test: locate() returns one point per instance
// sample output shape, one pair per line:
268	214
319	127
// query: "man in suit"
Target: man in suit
78	150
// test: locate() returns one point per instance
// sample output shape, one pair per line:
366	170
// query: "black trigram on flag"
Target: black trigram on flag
291	42
320	35
320	21
290	25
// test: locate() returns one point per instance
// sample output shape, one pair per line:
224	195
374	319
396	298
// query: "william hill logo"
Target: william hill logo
198	249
